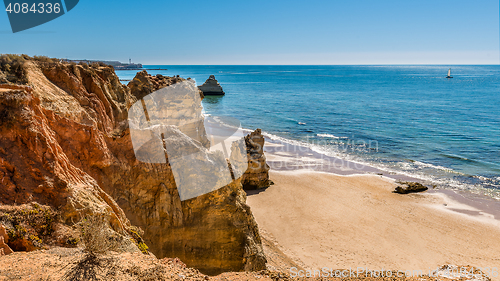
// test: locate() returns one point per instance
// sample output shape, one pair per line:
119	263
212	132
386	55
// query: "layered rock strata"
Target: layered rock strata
35	168
67	145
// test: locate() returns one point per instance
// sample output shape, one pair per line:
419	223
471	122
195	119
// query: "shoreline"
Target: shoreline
426	172
305	158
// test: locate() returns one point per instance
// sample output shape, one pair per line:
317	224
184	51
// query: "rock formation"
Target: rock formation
409	187
214	232
67	146
211	87
35	168
4	239
179	107
257	174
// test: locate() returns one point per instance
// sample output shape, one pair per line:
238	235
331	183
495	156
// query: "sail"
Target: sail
449	72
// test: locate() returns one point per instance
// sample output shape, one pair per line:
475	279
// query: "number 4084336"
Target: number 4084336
40	8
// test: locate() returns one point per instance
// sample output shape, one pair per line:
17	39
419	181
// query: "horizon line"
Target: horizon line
380	64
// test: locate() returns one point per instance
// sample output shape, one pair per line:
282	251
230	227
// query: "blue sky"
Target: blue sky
268	32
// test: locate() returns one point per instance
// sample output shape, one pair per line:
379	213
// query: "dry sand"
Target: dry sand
326	220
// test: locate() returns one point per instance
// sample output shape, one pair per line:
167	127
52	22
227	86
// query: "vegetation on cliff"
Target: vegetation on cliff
65	145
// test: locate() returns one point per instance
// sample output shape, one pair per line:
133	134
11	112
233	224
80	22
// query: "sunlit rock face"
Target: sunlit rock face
34	167
67	145
257	174
166	128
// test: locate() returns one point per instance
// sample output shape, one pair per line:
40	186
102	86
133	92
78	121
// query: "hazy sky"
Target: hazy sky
268	32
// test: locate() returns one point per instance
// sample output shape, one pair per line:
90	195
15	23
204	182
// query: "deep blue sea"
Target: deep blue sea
402	119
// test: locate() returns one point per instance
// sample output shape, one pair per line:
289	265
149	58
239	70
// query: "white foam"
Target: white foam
401	168
324	150
427	165
327	136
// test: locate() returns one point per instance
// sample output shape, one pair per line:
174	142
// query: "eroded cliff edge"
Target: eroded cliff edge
65	144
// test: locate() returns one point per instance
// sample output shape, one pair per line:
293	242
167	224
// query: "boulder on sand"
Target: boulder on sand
409	187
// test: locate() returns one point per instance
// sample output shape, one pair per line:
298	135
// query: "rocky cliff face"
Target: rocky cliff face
257	174
67	145
35	168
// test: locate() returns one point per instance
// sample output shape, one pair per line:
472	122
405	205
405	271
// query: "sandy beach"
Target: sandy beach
329	212
322	220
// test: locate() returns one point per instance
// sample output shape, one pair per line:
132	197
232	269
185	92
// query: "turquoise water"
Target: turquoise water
403	119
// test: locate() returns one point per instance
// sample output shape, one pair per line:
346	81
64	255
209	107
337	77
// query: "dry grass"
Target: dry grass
96	236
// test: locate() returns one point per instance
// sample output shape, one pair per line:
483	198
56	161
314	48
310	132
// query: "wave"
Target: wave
429	174
330	136
457	157
437	167
330	151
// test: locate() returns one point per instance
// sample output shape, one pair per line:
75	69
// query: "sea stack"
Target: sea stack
211	87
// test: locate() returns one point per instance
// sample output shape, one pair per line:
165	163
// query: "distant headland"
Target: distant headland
116	64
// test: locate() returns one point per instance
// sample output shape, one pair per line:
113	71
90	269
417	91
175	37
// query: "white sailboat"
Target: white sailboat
449	74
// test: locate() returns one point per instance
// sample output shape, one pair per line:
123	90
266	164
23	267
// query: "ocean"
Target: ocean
407	120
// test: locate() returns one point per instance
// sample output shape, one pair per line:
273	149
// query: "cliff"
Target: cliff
35	170
66	146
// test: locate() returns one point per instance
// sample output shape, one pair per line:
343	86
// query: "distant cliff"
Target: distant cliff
115	64
65	145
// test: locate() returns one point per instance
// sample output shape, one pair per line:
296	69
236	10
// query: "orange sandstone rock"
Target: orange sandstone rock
257	174
4	238
67	145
